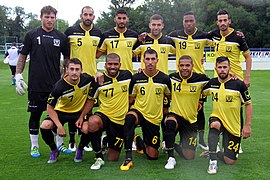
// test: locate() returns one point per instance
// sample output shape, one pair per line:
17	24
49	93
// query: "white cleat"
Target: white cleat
241	150
212	169
72	147
204	147
97	165
171	162
87	148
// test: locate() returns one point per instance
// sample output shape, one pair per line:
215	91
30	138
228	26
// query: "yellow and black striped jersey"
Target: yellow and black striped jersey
149	94
122	44
186	94
192	45
83	45
69	98
227	99
113	96
163	45
230	46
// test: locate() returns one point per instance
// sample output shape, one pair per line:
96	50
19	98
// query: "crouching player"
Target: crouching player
65	103
227	98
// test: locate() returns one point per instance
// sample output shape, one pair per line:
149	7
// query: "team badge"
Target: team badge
197	45
228	48
162	50
247	95
129	44
229	98
124	88
193	89
94	42
56	42
158	91
84	92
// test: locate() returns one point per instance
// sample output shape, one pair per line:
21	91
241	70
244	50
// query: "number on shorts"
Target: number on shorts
155	140
233	147
120	141
192	141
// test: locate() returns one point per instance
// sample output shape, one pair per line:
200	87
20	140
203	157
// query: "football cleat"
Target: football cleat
212	169
62	148
163	146
78	156
171	162
35	152
203	146
126	165
138	150
72	147
241	150
87	148
53	156
97	165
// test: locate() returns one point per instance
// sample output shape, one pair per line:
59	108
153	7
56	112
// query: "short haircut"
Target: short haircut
14	44
150	51
185	57
156	17
222	59
223	12
48	10
72	60
121	11
113	56
87	7
189	13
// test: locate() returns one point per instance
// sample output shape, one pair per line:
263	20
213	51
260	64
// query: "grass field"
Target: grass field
16	163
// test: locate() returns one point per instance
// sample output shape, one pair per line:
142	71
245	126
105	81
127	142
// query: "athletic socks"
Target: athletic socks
170	127
129	126
34	140
213	142
48	138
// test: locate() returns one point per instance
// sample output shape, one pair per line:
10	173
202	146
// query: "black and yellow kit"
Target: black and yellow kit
120	43
83	45
69	98
149	92
113	96
186	94
230	46
162	45
227	99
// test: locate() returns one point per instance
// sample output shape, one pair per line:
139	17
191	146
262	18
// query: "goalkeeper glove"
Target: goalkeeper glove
21	86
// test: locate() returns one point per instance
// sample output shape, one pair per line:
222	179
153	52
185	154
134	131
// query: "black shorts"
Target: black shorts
187	132
115	132
230	142
66	117
12	69
37	101
151	134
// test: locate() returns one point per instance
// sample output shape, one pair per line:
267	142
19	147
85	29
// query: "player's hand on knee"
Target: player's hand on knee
61	131
21	86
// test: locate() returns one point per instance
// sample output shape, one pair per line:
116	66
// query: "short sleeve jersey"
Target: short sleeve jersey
69	98
113	96
45	50
120	43
83	45
186	94
230	46
227	99
163	45
192	45
149	94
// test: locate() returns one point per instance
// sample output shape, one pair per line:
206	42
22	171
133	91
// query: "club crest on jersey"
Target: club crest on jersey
124	88
163	50
129	44
229	98
197	45
247	94
228	48
158	91
56	42
84	92
193	89
94	42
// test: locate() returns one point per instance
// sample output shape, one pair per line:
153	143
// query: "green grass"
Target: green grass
16	163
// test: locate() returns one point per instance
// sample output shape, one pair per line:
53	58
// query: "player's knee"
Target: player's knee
94	123
188	154
113	155
85	128
215	125
151	153
130	120
47	124
229	161
170	125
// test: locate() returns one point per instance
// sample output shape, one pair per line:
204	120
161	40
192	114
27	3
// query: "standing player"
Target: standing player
12	54
148	89
84	39
45	45
227	98
65	103
191	41
156	40
120	40
230	45
186	92
113	96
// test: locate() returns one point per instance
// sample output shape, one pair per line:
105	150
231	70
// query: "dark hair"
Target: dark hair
87	7
186	57
222	59
150	51
47	10
223	12
121	11
156	17
14	44
189	13
72	60
113	56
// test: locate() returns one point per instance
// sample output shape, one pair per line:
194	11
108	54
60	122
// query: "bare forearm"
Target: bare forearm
87	107
248	114
53	115
20	64
248	64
